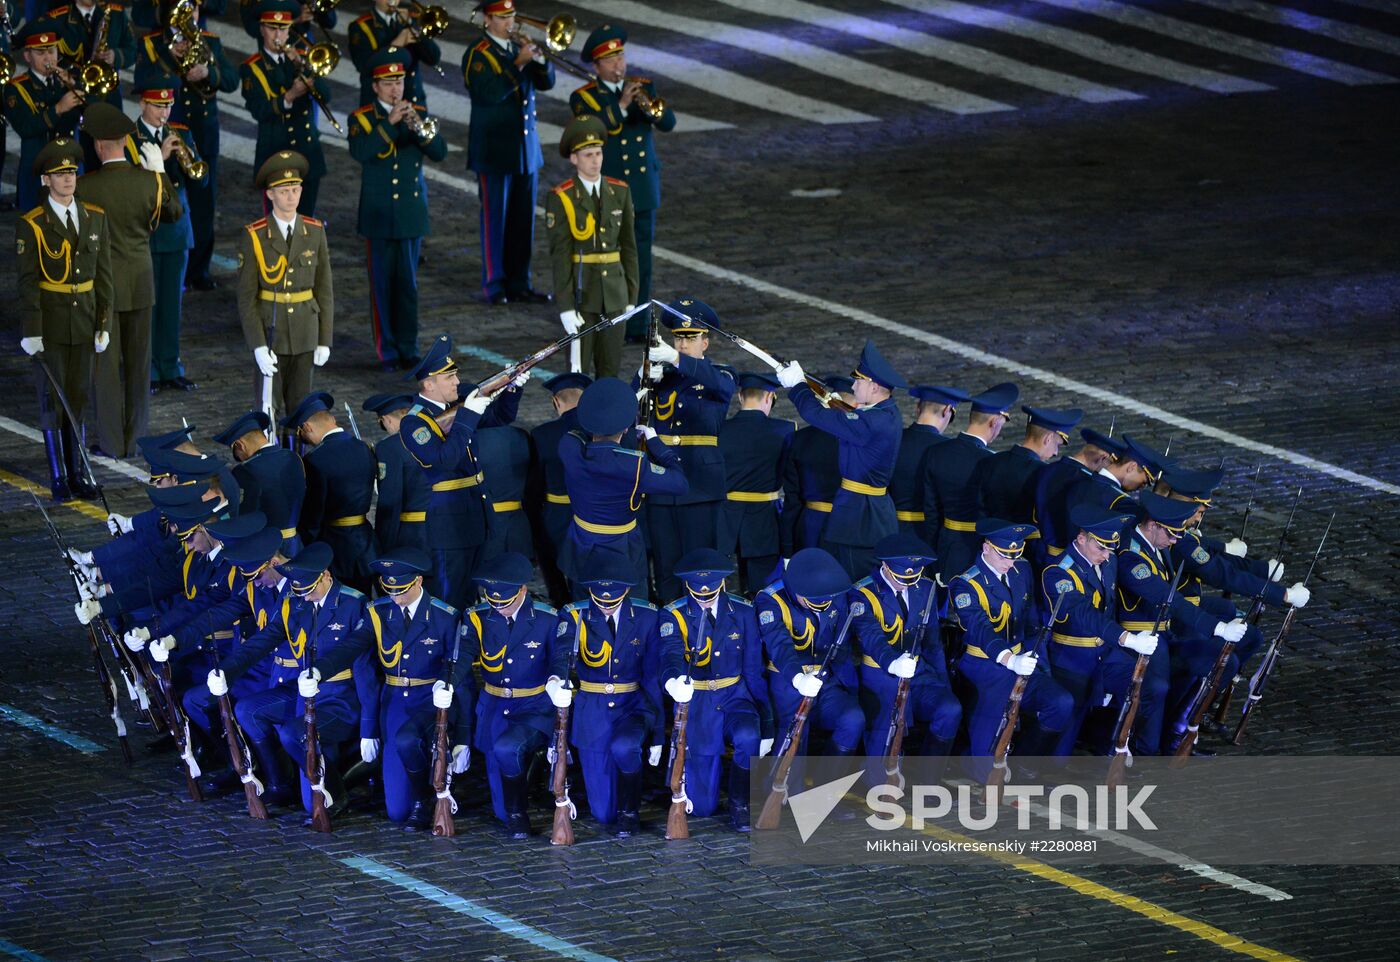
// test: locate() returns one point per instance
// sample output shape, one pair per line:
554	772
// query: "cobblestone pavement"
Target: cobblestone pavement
1207	261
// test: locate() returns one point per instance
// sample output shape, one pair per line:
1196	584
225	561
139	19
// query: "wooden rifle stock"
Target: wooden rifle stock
1127	715
315	764
565	811
446	806
676	824
894	741
239	757
1000	773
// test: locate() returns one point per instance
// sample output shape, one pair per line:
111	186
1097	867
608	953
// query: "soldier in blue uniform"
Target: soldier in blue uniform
38	106
547	496
505	461
1006	481
862	512
197	107
439	435
629	153
691	399
503	148
1055	482
401	507
515	642
949	487
799	619
995	602
606	482
278	98
935	411
895	595
390	24
272	478
617	716
709	645
340	473
1114	488
389	140
170	241
811	478
754	446
412	636
1090	653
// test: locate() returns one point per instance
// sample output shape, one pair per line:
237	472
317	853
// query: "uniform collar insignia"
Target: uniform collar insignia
335	626
532	644
734	636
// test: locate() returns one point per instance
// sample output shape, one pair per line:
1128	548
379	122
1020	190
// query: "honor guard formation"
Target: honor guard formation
659	585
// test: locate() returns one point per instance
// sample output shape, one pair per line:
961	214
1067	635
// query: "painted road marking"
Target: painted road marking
22	718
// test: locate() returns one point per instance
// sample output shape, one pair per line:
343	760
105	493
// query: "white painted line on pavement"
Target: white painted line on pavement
1322	26
834	65
1085	45
121	467
1223	41
962	55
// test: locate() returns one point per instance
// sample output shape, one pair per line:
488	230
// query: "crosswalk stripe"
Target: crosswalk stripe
1223	41
963	55
834	65
1323	27
1085	45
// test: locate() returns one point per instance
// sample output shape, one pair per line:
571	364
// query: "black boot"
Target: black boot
1034	742
222	782
739	798
420	817
629	796
267	758
78	481
58	481
513	793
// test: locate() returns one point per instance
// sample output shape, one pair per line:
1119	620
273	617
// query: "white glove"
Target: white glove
151	158
559	693
32	345
442	694
765	747
475	403
266	361
217	683
161	648
1297	596
664	354
520	380
81	558
309	683
807	685
656	372
86	610
903	666
654	756
136	638
100	340
1230	630
461	759
118	524
1142	642
369	750
681	690
646	431
1236	547
572	322
790	374
1275	570
1023	664
321	355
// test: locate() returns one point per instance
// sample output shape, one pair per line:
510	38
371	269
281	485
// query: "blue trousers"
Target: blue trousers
451	578
617	749
507	231
930	701
508	740
702	772
674	530
408	723
1108	686
393	296
1044	700
835	710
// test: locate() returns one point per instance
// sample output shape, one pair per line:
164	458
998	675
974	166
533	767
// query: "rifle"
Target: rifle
894	740
175	719
1127	715
1001	745
792	741
824	394
646	397
354	425
239	756
315	762
1256	611
681	805
446	806
1253	490
564	809
1260	679
77	434
104	677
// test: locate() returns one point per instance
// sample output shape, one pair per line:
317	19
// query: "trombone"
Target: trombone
313	63
424	22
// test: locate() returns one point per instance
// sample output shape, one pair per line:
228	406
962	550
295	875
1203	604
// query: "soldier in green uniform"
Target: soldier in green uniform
171	242
38	106
197	107
284	287
390	24
279	99
136	199
593	246
64	257
630	109
390	137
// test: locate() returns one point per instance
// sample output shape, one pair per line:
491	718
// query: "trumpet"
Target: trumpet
193	167
425	127
313	63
